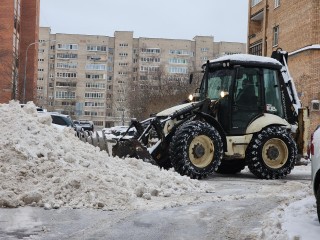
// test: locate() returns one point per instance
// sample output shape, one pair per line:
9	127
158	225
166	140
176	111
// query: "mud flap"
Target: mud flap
132	148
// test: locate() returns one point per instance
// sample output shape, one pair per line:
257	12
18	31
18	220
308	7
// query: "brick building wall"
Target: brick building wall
299	34
6	56
19	26
29	34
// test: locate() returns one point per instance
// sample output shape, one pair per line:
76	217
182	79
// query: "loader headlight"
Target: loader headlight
223	94
190	97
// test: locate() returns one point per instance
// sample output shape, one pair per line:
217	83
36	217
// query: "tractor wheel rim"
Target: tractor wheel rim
275	153
201	151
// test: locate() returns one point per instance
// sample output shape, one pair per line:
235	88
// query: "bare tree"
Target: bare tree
158	90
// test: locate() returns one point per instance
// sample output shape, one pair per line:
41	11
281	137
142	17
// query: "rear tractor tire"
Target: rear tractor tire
196	149
271	153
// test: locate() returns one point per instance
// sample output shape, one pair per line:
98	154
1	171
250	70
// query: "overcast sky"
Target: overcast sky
226	20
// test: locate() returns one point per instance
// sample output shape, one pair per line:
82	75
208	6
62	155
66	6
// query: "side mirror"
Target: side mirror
190	78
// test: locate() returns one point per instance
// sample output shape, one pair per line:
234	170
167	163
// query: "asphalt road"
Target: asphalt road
235	210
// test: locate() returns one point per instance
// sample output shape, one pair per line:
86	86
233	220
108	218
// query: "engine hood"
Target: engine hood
171	110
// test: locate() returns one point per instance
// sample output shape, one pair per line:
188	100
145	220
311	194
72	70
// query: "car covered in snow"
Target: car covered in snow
118	132
84	125
61	121
315	165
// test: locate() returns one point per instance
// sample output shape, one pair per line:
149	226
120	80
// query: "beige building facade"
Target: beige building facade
90	77
294	26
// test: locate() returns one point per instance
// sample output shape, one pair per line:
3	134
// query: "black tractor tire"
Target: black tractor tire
231	166
196	149
318	202
271	153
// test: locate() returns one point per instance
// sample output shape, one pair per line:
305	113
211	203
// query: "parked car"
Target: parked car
84	125
315	166
118	132
61	120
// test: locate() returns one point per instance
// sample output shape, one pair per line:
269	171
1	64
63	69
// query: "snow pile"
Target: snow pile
42	166
295	217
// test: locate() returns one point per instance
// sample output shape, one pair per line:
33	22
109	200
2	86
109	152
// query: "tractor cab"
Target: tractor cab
241	91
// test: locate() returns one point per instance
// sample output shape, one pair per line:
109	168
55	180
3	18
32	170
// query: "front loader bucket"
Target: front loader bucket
132	148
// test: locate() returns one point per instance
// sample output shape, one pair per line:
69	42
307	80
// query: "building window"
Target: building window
149	68
256	48
150	50
88	113
98	67
276	3
180	52
255	2
180	70
143	77
96	48
66	75
93	95
98	123
275	36
66	84
95	85
67	46
149	59
66	65
65	95
93	104
178	61
204	49
95	76
68	103
67	55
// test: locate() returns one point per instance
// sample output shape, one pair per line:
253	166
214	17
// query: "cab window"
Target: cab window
272	92
218	81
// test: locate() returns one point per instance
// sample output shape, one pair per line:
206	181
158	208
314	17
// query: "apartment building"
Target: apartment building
19	29
93	77
294	26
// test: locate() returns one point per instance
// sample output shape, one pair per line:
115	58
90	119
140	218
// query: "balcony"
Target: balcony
255	37
256	25
256	5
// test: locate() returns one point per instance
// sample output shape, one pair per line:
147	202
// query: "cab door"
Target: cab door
246	99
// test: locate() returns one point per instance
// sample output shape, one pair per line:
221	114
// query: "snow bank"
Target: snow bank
42	166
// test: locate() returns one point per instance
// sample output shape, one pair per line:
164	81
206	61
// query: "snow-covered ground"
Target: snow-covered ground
296	218
43	166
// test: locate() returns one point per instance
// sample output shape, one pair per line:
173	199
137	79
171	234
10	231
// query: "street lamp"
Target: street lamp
25	67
